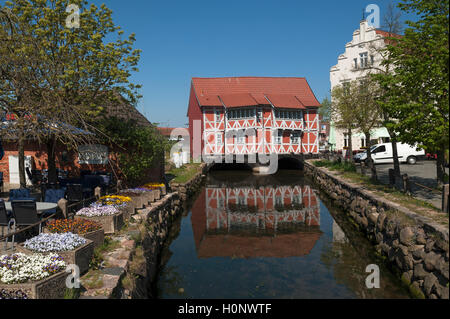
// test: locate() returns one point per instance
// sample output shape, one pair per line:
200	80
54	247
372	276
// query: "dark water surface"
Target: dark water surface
273	236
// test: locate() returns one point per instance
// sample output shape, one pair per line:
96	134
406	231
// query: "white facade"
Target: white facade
360	57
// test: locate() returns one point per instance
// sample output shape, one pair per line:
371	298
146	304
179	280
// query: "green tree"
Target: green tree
415	94
393	26
343	109
368	113
138	148
325	109
70	72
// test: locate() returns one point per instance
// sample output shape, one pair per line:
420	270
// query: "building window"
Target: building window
356	63
288	115
371	60
295	138
279	137
219	138
241	114
363	142
363	59
346	140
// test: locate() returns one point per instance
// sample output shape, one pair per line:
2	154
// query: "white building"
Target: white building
360	57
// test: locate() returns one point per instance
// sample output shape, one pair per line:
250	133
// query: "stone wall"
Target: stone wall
133	267
416	247
190	187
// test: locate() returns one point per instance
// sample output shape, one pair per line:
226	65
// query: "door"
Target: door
380	155
14	169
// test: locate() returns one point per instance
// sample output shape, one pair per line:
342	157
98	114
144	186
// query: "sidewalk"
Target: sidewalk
423	173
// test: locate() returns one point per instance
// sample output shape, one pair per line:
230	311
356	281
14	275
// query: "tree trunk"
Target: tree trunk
440	166
21	149
51	161
350	145
373	171
395	154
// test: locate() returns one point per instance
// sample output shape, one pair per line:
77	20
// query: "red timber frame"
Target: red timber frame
264	207
265	126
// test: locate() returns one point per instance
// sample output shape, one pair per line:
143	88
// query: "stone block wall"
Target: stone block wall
415	246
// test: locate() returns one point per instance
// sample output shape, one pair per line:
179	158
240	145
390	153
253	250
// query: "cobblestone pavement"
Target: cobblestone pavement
423	173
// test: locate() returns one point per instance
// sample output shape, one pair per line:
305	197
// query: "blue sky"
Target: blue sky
197	38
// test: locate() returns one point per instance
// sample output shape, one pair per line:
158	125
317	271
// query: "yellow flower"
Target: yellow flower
153	185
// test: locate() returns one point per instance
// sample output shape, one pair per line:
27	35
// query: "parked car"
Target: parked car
382	154
431	156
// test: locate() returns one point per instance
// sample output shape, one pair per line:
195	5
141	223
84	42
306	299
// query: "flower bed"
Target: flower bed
73	248
86	228
158	187
140	196
109	216
35	276
98	210
114	200
153	186
123	203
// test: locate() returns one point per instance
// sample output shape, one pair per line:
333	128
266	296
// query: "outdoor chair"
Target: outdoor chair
53	196
5	222
74	192
24	213
20	194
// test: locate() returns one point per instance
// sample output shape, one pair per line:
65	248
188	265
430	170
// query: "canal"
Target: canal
277	236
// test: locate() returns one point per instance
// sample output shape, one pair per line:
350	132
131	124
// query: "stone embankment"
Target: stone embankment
416	247
130	270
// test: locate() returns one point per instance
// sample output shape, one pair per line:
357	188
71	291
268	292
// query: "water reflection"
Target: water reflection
267	237
248	222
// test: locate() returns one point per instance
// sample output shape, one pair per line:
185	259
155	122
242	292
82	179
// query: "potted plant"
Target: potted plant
73	248
123	203
158	189
86	228
35	276
109	216
138	196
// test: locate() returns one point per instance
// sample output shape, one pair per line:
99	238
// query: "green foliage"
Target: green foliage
336	165
139	147
61	74
72	293
325	109
415	94
185	173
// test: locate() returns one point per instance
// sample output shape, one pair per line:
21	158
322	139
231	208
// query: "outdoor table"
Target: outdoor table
40	206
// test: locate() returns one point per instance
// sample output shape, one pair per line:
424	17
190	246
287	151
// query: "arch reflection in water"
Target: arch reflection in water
246	221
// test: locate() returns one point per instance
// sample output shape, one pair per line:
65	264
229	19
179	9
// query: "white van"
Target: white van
382	154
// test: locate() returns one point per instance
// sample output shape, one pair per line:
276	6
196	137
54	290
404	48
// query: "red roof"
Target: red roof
285	101
286	92
386	34
166	131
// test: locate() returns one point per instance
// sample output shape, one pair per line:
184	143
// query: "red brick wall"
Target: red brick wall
39	160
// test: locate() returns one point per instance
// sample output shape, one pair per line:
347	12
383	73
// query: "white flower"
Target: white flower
20	268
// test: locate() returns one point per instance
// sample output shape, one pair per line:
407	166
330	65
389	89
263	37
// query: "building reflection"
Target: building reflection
245	221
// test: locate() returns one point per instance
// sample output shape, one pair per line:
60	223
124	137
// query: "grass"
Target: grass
348	172
184	173
98	258
93	279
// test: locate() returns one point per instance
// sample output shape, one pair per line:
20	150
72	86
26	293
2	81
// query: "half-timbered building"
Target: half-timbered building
253	115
